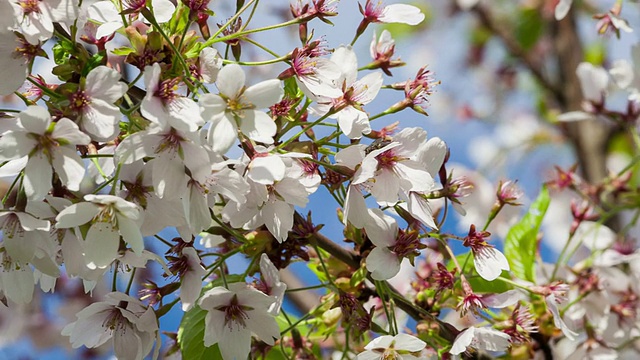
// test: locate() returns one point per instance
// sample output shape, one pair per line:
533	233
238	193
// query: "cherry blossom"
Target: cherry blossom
347	108
401	347
110	218
235	313
50	147
162	104
132	326
98	116
480	338
234	108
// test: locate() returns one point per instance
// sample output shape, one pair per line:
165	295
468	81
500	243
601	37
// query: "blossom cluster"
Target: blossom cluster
155	124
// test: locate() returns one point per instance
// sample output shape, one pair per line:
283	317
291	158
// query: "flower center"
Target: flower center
235	314
115	321
11	226
135	6
79	100
387	159
166	90
407	243
30	6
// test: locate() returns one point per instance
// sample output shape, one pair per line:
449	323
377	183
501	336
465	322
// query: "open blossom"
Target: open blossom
392	245
347	107
488	261
235	313
315	76
50	146
97	114
34	18
110	218
132	326
485	338
172	150
394	168
236	108
162	105
399	347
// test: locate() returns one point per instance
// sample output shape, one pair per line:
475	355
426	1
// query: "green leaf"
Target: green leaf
291	88
191	337
358	277
95	61
529	27
123	51
521	242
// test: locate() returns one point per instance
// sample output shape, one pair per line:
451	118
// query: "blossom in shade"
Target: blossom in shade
16	56
235	313
110	218
162	105
94	103
399	347
50	147
132	326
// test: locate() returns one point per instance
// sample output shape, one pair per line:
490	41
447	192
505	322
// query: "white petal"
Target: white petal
104	83
35	119
68	130
266	169
37	177
489	263
101	245
278	218
381	228
222	134
409	343
345	58
462	341
401	13
562	9
258	126
355	209
382	263
230	81
69	167
76	215
557	318
130	232
163	10
504	299
264	94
